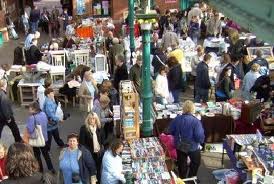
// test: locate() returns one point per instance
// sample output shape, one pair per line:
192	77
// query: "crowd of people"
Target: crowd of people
91	155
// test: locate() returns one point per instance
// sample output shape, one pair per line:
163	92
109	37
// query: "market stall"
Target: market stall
144	162
255	156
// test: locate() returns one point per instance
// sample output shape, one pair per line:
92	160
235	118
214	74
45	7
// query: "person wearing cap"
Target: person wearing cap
136	73
6	112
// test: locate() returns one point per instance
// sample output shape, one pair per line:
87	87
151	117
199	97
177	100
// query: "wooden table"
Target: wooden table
28	92
216	128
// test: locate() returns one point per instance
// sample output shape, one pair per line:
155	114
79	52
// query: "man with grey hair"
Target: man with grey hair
116	49
170	38
6	113
195	11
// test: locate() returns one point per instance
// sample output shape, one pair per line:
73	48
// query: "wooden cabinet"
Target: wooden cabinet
130	120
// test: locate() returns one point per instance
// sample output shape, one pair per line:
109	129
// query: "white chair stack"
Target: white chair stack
58	62
82	57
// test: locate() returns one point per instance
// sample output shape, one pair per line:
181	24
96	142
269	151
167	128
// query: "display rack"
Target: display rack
130	120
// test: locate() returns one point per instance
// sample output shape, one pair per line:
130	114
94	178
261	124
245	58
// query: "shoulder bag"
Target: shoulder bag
39	140
184	145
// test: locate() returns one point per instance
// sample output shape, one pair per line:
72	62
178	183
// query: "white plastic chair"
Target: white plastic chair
82	57
58	62
101	63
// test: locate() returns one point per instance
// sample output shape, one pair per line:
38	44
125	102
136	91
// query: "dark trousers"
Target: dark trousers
176	95
201	95
108	129
195	160
13	127
56	136
37	153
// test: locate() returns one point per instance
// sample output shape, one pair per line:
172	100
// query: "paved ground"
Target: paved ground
210	161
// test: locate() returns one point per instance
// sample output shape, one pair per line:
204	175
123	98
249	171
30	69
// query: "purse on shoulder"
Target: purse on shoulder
184	145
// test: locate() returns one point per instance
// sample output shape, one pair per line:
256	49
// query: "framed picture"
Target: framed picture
267	51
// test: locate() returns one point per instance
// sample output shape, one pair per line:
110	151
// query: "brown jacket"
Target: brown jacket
86	104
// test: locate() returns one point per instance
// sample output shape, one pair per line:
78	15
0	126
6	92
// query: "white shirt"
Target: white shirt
41	96
161	86
112	168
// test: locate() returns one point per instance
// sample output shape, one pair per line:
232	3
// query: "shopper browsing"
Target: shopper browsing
112	164
188	134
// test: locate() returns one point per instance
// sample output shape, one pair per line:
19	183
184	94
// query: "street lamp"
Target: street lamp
147	126
131	27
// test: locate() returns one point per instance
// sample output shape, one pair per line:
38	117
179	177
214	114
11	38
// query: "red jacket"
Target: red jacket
2	168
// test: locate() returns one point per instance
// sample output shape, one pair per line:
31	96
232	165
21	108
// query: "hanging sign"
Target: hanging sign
170	1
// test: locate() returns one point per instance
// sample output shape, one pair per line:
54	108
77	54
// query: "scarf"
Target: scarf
96	145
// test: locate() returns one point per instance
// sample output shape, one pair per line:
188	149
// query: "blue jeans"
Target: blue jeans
201	94
176	93
34	26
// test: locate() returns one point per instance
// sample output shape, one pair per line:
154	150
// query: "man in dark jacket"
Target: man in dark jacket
202	82
136	73
33	54
34	19
121	71
6	113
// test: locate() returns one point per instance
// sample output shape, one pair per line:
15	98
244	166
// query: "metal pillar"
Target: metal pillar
147	128
131	26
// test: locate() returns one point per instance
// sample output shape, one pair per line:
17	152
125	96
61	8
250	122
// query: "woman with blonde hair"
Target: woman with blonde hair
3	155
91	137
188	134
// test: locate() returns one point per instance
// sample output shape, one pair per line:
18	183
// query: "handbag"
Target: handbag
38	140
184	145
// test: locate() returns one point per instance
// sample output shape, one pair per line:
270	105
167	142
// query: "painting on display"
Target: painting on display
81	8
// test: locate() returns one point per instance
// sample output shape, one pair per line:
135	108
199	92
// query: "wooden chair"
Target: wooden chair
58	62
82	57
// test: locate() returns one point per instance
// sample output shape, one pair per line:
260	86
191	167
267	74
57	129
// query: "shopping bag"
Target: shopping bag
59	112
170	98
39	140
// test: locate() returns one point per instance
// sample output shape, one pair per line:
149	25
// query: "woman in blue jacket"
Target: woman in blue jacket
76	163
50	107
188	129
